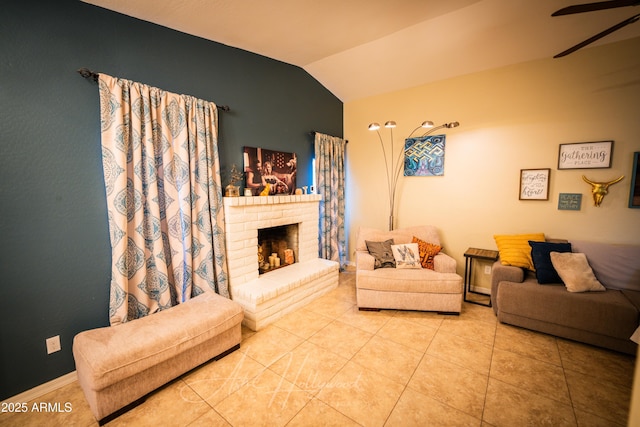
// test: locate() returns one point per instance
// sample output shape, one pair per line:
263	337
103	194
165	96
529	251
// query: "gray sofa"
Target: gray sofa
606	319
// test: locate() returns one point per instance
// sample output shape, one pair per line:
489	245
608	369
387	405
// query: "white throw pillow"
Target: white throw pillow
575	272
406	255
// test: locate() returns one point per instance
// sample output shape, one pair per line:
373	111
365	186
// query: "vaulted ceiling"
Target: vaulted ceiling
360	48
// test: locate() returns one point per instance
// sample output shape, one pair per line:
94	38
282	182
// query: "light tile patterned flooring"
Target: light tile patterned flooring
329	364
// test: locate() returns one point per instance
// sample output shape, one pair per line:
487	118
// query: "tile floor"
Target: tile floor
329	364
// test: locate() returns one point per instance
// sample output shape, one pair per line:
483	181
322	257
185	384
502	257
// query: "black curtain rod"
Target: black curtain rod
313	133
88	74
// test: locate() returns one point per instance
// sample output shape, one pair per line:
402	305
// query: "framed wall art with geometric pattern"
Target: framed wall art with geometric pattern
424	156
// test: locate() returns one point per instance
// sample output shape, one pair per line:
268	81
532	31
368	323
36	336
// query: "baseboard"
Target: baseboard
481	290
43	389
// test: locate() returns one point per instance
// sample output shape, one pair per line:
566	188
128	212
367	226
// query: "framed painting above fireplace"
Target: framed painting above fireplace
275	169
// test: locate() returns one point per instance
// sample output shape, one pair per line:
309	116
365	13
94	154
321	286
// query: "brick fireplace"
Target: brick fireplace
269	296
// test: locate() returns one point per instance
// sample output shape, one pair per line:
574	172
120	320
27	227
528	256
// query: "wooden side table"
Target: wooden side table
470	255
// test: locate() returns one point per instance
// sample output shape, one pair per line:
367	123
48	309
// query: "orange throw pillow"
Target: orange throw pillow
427	252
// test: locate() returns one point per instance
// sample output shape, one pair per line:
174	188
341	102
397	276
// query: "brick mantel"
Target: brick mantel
270	200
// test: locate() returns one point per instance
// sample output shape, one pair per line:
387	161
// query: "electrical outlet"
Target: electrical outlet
487	269
53	344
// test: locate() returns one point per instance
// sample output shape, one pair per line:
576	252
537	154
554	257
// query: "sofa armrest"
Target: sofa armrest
501	273
443	263
364	260
509	273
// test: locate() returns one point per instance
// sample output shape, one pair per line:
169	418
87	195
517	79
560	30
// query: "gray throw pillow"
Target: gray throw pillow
383	254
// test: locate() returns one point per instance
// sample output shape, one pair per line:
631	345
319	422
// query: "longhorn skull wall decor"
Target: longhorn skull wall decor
600	189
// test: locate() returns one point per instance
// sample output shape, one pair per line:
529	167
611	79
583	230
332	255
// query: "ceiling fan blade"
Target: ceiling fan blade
599	36
590	7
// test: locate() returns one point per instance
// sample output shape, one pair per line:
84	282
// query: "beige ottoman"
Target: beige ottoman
120	364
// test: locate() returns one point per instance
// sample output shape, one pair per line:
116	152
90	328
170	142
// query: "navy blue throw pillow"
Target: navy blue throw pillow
545	273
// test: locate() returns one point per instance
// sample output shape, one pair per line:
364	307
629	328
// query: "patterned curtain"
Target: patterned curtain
164	198
330	173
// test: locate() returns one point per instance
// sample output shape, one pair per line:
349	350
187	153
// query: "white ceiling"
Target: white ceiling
360	48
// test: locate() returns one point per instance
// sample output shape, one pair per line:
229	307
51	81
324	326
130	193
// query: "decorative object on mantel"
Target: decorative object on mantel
600	189
534	184
266	190
232	190
585	155
634	191
392	164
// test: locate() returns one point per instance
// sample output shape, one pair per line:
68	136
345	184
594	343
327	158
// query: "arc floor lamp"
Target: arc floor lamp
393	165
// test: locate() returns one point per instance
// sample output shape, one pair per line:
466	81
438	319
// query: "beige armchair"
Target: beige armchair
422	289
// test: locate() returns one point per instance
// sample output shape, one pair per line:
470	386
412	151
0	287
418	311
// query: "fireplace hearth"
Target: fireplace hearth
268	296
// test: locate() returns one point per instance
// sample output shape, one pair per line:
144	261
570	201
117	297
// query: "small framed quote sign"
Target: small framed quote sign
534	184
569	201
585	155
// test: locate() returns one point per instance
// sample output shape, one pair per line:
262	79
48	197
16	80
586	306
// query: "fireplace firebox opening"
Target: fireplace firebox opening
277	247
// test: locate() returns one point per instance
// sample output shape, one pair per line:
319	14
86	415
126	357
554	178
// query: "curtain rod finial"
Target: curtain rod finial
87	73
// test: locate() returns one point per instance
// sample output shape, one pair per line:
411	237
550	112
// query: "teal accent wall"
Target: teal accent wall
54	251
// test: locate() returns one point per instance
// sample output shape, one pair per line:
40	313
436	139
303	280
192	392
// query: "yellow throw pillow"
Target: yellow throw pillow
514	249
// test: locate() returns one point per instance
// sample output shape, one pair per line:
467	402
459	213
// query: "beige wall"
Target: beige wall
512	118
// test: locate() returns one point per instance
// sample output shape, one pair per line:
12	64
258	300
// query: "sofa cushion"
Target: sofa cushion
633	296
575	272
406	255
409	280
616	266
514	249
545	273
427	251
383	254
607	313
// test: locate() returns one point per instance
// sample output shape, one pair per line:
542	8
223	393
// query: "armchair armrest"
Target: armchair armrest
443	263
364	260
